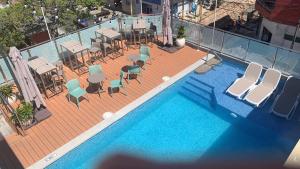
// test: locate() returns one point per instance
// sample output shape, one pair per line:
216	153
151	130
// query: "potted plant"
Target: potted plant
180	39
24	114
7	91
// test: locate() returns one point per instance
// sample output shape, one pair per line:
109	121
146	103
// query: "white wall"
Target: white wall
278	30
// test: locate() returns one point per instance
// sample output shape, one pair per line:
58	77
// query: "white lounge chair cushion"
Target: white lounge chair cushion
259	94
240	86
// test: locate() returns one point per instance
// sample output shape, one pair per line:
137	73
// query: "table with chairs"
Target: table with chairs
96	78
74	48
48	77
110	39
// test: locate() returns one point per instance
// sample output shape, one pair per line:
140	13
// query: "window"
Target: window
291	38
137	1
266	35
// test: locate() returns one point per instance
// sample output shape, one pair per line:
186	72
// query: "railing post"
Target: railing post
29	54
275	57
56	47
247	50
79	37
222	44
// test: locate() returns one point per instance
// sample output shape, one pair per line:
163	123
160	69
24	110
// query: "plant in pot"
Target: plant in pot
180	39
7	91
24	114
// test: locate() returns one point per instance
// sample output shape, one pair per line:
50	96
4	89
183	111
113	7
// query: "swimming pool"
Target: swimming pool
188	121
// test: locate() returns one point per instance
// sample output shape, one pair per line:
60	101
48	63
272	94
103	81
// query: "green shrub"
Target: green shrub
6	90
24	113
181	32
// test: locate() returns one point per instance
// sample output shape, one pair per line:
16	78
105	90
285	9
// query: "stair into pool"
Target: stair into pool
215	87
199	92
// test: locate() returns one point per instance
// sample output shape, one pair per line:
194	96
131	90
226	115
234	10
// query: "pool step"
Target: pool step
195	97
199	92
199	86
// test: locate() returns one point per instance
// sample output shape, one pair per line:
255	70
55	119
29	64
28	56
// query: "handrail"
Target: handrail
79	30
242	36
272	58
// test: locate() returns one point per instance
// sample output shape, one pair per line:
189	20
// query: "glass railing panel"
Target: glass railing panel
218	40
111	24
4	63
71	37
127	21
235	46
261	53
46	50
25	54
288	62
87	34
192	32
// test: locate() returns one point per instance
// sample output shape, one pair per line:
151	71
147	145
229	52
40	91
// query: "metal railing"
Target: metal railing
51	51
240	47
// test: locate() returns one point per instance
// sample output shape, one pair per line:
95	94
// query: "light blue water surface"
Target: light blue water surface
172	127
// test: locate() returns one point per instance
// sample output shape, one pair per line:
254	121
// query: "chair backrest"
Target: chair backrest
292	86
96	44
153	27
121	77
271	78
95	69
253	71
60	67
134	69
145	50
72	85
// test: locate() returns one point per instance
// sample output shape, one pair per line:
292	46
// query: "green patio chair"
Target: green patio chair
75	90
95	69
145	54
134	70
116	83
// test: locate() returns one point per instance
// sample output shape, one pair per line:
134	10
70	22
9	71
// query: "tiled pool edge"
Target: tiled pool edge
55	155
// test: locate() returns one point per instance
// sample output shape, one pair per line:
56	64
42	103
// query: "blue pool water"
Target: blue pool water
178	125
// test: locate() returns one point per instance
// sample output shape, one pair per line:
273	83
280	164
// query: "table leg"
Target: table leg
44	87
122	45
70	60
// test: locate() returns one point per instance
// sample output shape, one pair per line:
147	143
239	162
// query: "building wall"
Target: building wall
126	6
156	8
279	31
284	11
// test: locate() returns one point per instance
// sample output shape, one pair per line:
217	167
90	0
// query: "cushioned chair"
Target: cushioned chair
116	84
95	69
75	90
145	54
134	70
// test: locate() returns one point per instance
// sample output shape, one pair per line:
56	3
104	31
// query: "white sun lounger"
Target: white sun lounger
248	80
286	102
265	88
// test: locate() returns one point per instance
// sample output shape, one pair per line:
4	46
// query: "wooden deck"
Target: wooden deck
68	121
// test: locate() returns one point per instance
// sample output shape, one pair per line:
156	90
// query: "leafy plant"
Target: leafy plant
181	32
14	21
6	90
24	113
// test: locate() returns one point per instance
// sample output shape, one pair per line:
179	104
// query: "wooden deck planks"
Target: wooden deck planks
68	121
